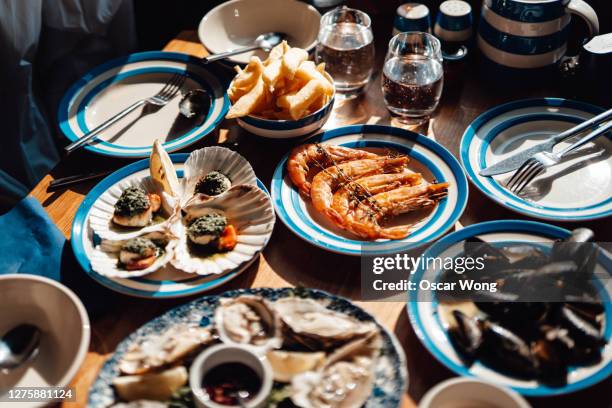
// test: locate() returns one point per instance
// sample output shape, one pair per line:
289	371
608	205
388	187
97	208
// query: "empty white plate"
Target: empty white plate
115	85
579	188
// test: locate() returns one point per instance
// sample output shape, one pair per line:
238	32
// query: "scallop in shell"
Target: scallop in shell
248	319
106	257
345	381
248	209
311	324
102	211
165	349
216	159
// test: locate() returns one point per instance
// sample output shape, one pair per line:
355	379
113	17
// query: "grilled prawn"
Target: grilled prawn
364	220
304	158
328	181
361	191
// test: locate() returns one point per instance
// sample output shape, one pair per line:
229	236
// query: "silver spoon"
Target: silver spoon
242	396
265	41
195	103
19	345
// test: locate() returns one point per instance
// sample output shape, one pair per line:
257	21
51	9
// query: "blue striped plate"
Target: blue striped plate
166	283
427	157
422	309
577	189
115	85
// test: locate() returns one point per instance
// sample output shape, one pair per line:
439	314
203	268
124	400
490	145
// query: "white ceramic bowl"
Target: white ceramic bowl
64	324
237	23
468	392
228	353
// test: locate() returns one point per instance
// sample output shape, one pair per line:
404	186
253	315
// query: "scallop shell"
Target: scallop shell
104	259
101	214
235	322
225	161
248	209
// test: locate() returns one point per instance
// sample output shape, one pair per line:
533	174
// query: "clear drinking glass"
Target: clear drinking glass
413	76
346	47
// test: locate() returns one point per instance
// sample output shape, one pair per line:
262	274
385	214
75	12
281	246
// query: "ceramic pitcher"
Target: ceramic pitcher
530	33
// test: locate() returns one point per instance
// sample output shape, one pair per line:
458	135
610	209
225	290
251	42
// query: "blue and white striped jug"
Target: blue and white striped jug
529	33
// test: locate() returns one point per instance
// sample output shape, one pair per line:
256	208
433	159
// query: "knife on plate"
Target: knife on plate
516	160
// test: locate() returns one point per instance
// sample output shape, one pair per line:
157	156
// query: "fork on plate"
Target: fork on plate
161	98
540	161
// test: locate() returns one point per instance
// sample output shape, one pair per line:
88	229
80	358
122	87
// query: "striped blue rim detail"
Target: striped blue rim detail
403	24
289	124
470	134
79	227
541	229
528	12
63	109
94	92
521	45
389	246
453	23
523	119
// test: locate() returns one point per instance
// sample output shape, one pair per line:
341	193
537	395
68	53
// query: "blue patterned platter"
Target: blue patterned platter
391	375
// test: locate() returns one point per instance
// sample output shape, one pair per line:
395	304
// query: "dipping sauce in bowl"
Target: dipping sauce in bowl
223	383
231	375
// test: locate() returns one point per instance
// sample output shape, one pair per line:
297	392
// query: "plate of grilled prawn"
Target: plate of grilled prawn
369	189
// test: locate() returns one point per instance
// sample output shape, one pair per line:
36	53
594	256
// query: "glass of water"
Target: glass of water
412	77
346	47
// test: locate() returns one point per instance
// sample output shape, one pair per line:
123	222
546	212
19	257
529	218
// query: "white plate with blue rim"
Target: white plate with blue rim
426	156
114	85
424	317
578	189
165	283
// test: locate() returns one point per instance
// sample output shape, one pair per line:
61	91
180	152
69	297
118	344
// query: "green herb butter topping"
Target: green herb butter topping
133	200
210	224
214	183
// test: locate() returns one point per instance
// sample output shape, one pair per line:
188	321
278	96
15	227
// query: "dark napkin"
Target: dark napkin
30	242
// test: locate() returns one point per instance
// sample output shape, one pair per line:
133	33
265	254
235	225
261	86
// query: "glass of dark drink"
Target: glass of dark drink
413	76
346	47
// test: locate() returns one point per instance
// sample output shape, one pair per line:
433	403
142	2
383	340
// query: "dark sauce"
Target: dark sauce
223	382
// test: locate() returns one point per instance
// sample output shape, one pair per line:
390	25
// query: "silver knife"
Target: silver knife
514	162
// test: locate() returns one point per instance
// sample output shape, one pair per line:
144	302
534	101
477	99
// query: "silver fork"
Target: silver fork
161	98
540	161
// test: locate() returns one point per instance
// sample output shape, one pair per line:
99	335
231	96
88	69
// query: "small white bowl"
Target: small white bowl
287	129
237	23
468	392
228	353
64	325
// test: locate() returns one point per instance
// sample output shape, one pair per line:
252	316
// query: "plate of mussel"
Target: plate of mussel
320	350
174	225
533	313
368	189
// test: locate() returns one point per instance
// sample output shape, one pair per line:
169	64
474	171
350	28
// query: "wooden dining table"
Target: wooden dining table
287	259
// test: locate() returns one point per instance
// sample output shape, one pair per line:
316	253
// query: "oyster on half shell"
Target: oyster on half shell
346	379
310	324
248	319
165	349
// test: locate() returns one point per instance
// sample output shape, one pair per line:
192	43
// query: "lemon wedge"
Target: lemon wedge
162	170
287	364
